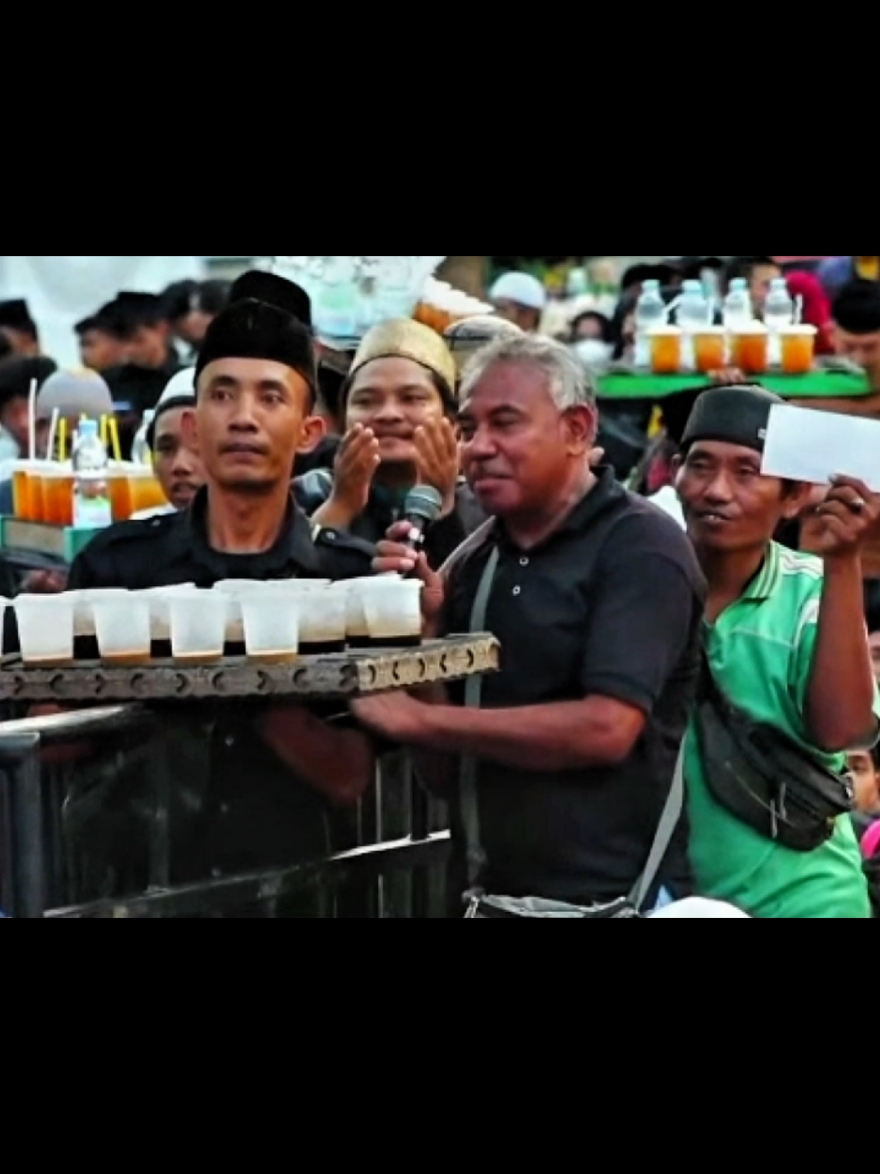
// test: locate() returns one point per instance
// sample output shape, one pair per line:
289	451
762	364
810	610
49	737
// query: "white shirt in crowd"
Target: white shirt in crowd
668	501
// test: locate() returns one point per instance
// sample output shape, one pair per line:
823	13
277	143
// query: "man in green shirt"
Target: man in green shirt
787	643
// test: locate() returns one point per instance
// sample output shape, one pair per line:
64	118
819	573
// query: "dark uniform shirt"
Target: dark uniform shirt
609	606
384	509
235	807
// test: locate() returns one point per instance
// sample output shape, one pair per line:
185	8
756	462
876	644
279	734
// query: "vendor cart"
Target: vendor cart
394	868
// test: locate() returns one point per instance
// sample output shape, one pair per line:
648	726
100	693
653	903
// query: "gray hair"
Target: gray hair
569	384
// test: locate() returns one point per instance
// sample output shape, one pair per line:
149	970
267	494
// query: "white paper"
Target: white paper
805	445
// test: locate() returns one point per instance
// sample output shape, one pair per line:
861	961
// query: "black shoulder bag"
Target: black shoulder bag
763	777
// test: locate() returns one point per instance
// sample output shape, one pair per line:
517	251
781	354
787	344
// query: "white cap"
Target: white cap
521	288
179	386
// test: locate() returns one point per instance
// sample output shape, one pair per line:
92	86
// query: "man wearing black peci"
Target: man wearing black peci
259	786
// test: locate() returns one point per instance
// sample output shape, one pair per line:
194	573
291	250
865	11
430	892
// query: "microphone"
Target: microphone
422	508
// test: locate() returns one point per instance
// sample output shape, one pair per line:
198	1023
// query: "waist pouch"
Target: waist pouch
511	909
764	778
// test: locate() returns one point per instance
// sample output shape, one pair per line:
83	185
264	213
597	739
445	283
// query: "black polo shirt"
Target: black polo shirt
235	806
609	606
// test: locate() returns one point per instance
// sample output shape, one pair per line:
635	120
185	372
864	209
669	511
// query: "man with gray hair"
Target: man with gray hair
597	600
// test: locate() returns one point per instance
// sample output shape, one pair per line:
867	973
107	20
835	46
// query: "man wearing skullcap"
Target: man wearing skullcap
470	335
177	464
19	329
399	407
521	299
261	787
786	644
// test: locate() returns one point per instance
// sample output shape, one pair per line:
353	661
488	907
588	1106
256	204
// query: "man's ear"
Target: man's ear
582	425
314	431
796	499
190	428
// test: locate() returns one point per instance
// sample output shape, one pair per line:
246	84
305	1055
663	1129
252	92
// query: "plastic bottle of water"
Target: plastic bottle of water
650	312
778	313
693	316
738	308
92	507
140	449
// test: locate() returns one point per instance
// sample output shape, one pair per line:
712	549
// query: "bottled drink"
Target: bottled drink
140	449
693	316
92	507
738	308
778	314
650	312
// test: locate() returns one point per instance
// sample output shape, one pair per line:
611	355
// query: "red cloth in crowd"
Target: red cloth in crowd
817	308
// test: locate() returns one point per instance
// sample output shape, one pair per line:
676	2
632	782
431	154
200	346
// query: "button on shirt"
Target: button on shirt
610	606
239	807
761	651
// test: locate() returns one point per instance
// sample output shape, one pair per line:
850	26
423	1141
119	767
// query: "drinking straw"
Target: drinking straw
114	439
671	308
53	433
799	310
32	421
62	441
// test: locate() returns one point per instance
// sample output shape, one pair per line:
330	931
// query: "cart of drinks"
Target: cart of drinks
280	638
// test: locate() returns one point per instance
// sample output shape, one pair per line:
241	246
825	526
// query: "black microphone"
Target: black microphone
422	508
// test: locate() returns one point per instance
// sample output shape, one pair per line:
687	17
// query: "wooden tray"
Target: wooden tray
317	678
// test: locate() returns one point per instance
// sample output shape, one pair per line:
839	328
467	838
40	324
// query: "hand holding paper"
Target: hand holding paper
845	519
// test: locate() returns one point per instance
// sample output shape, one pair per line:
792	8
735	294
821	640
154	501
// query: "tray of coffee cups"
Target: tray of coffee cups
291	638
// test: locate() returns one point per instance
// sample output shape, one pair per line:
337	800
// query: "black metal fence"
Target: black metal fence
395	867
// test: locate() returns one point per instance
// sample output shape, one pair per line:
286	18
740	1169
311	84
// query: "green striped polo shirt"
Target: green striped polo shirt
761	651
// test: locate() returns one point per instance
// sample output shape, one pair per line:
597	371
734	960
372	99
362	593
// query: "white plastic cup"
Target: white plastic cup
84	607
158	600
122	626
393	609
357	630
198	626
271	624
322	621
45	630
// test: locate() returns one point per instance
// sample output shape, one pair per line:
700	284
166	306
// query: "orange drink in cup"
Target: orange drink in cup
21	490
146	492
120	492
57	484
37	487
798	349
666	350
751	349
710	349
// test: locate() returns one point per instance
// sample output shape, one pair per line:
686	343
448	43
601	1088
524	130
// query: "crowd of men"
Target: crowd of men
635	655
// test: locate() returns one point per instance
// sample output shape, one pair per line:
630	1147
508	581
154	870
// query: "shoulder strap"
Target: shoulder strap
669	821
468	792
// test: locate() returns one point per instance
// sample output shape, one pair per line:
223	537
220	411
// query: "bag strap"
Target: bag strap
669	821
469	793
469	798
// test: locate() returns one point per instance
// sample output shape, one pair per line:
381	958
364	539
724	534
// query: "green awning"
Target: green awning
818	385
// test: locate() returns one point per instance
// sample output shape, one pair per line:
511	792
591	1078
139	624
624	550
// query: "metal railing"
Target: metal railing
391	861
